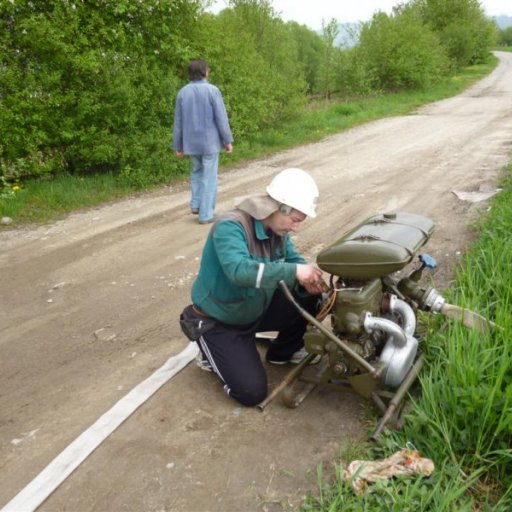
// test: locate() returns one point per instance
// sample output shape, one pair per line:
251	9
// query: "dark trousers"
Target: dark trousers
232	352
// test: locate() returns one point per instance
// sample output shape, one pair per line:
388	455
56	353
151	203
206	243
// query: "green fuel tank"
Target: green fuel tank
381	245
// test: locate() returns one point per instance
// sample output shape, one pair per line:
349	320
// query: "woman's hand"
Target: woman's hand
310	277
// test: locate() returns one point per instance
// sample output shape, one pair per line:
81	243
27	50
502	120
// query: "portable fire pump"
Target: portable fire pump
370	343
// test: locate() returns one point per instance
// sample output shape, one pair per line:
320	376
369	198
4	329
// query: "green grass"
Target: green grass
437	494
43	201
462	419
40	201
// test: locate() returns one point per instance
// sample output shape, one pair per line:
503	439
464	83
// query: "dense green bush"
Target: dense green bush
89	87
415	46
400	52
462	27
85	83
266	84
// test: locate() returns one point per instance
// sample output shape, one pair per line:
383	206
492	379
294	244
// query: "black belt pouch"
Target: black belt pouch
194	325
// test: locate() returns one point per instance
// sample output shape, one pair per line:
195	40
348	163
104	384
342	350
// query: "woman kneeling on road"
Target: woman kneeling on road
236	293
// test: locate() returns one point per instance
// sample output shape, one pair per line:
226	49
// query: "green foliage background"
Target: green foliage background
89	87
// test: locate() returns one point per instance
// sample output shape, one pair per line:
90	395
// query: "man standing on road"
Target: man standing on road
201	129
236	293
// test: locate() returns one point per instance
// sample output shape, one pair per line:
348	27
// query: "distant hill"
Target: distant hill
503	21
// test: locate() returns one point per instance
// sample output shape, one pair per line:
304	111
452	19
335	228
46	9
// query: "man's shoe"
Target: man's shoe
203	363
297	357
209	221
195	211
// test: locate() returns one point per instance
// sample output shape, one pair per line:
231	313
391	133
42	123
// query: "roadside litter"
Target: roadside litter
362	473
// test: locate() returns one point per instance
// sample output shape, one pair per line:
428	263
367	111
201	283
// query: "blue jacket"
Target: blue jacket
201	125
241	267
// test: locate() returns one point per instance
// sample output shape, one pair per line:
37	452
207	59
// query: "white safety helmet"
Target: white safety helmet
295	188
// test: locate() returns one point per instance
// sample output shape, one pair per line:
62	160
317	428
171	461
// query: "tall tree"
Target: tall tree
330	32
310	47
400	52
463	29
274	86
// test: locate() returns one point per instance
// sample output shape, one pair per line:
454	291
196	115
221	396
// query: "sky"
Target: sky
312	12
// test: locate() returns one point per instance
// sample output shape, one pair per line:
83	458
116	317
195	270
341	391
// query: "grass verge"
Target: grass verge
42	201
462	419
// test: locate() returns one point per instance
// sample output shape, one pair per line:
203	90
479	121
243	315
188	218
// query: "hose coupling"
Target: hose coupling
433	301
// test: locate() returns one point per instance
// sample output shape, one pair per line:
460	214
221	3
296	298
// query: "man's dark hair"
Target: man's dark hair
197	69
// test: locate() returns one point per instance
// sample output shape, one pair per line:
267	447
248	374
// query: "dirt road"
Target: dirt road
89	309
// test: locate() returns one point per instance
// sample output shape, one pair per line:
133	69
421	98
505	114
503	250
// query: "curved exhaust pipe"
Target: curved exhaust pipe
396	333
399	307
